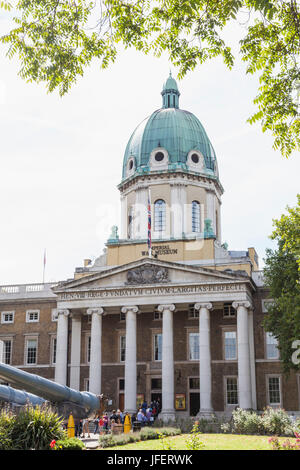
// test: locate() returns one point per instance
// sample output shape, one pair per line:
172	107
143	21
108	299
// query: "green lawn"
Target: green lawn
211	442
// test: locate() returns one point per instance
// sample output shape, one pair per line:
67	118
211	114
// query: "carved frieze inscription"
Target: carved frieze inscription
151	291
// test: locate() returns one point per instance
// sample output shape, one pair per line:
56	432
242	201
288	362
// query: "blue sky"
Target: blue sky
61	159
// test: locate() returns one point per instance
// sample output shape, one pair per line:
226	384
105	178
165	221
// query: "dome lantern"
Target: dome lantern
170	93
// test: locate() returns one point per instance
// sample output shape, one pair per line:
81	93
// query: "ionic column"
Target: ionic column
244	371
205	357
61	347
130	359
252	359
75	351
96	347
168	411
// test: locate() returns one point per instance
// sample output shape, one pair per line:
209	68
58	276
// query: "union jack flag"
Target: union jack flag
149	225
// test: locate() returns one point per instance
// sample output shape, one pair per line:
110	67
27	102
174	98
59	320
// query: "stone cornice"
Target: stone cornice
168	175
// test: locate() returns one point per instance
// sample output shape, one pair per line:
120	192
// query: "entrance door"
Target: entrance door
156	396
121	401
194	403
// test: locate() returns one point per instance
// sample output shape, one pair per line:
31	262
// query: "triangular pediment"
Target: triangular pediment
148	271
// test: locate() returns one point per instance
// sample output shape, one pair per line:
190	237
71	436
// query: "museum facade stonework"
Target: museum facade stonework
167	311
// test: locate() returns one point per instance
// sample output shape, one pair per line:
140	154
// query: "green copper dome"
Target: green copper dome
175	132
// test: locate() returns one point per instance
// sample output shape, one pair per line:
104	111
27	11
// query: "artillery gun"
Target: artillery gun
64	399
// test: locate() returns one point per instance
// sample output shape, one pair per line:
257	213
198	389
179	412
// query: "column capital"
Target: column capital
62	311
162	307
131	308
242	303
97	310
207	305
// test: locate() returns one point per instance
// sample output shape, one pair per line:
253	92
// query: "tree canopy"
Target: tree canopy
56	40
282	276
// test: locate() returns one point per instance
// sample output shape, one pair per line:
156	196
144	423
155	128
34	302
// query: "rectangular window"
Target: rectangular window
32	316
121	384
228	310
88	348
156	384
53	351
193	313
194	346
7	349
122	348
86	385
231	391
194	383
54	314
31	351
158	347
274	390
7	317
271	346
122	316
157	315
230	345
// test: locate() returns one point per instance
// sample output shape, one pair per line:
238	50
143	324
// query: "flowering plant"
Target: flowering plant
286	445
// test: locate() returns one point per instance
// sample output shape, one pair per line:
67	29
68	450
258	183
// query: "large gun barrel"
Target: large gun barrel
56	393
18	397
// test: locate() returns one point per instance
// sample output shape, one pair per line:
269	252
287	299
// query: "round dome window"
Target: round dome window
130	166
159	156
195	158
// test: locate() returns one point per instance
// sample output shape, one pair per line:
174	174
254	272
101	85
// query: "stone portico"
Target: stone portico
149	285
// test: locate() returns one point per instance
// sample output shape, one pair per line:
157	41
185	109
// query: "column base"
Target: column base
131	412
167	415
205	414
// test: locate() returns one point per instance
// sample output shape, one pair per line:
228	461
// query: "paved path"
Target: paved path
91	442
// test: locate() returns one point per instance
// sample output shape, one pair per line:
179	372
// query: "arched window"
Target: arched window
159	216
130	222
195	216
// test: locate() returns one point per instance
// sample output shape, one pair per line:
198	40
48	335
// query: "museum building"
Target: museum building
167	311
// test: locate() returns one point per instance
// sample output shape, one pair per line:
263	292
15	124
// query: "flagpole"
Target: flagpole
149	225
44	266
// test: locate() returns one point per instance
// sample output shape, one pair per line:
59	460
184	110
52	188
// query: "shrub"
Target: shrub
193	442
148	433
6	424
277	422
70	443
36	427
272	422
110	440
247	422
107	440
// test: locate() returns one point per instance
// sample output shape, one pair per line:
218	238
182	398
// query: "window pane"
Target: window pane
31	351
158	347
54	350
122	384
160	216
194	383
194	346
195	216
230	345
156	384
274	390
272	346
89	348
122	348
7	352
232	391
